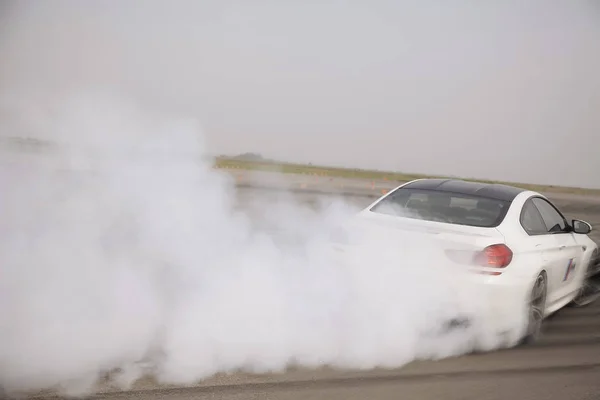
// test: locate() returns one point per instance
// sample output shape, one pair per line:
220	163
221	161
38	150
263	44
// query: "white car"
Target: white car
521	245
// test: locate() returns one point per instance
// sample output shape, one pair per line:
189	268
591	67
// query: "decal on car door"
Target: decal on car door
570	268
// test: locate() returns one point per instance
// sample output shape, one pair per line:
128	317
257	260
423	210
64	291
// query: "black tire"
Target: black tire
536	307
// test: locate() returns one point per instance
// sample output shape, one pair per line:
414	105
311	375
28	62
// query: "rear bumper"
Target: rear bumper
503	307
491	304
500	316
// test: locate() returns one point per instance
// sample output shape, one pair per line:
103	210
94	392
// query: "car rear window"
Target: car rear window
447	207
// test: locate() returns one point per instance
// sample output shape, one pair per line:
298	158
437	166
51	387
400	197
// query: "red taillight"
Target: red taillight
495	256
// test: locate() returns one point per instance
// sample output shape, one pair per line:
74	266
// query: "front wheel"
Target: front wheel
536	309
590	288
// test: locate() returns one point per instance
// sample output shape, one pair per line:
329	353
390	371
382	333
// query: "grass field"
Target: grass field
35	146
289	168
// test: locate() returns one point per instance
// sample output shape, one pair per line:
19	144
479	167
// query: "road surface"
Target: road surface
564	365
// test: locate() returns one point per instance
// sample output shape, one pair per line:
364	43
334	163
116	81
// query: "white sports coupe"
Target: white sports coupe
521	245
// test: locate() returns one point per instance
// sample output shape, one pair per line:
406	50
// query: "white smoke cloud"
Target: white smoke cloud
122	248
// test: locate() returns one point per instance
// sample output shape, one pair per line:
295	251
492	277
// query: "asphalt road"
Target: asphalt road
565	364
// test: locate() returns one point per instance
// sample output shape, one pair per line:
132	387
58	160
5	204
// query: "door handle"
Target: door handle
562	247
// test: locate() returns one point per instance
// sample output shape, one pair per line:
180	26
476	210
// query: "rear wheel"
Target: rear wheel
537	306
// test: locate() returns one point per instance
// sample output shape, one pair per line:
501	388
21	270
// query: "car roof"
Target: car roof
488	190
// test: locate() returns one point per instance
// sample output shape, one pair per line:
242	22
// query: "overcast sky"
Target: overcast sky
492	89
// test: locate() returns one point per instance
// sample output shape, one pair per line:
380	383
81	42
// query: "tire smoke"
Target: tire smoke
123	249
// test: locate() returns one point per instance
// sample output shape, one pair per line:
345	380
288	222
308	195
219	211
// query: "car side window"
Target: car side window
553	220
531	220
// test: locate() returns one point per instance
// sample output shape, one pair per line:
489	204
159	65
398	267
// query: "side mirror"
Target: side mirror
581	227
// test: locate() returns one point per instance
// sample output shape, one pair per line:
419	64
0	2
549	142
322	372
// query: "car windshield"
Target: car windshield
447	207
